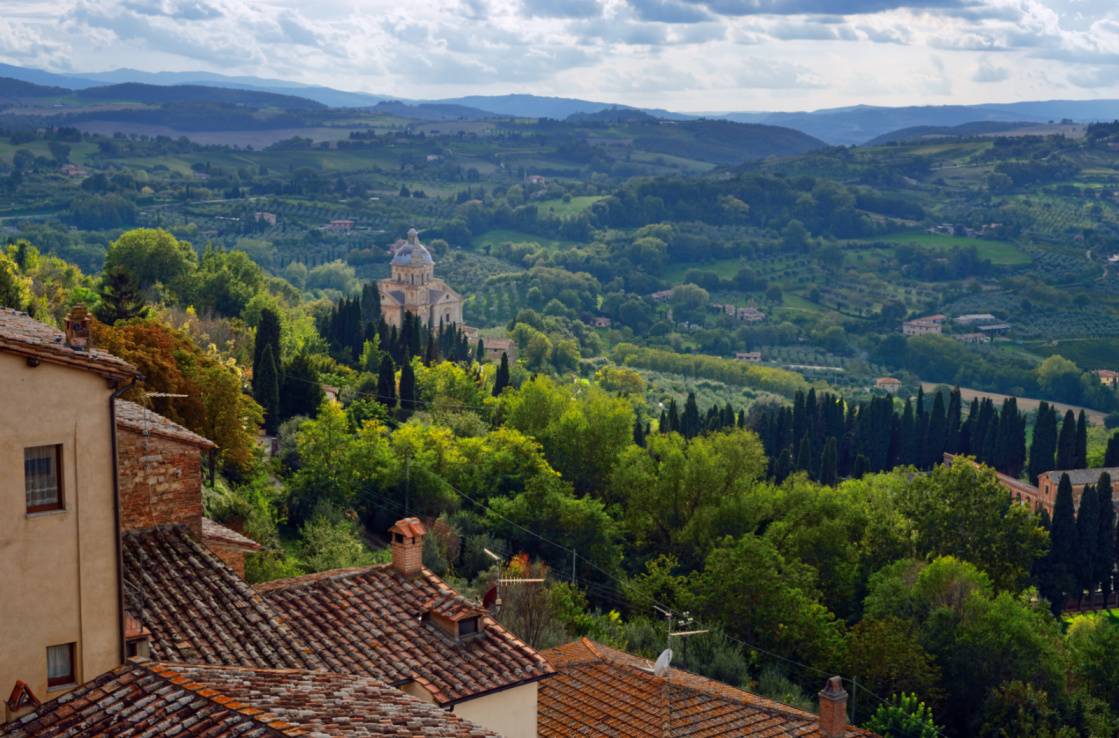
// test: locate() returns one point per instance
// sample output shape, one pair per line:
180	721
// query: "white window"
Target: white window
60	664
42	478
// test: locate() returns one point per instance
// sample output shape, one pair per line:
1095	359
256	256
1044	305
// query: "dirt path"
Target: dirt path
1095	417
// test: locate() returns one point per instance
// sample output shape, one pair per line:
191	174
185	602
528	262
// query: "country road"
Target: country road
1095	417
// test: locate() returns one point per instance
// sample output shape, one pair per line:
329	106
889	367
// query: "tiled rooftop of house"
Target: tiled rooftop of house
22	334
600	691
141	420
368	621
218	533
150	698
198	610
1082	476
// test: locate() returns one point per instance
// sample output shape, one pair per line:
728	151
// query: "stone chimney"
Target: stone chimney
77	328
833	709
407	546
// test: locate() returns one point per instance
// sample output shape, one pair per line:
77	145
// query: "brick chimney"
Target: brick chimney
407	546
833	709
77	328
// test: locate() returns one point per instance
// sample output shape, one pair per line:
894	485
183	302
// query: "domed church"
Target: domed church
413	288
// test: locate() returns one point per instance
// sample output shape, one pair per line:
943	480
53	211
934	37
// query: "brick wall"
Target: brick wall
233	556
160	482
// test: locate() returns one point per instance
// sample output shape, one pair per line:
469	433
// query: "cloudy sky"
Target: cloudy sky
688	55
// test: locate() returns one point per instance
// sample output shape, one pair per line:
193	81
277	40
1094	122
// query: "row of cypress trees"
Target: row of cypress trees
1082	551
873	436
690	422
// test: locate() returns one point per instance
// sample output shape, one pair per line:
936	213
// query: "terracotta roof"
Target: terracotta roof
367	621
139	419
21	334
149	698
411	527
600	691
198	610
218	533
452	607
1081	476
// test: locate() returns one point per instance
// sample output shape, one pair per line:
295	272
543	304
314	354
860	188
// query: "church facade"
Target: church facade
413	288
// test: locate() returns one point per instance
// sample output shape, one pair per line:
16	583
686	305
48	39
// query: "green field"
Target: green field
508	235
725	268
1002	253
573	206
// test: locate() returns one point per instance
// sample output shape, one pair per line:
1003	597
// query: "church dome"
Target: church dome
412	252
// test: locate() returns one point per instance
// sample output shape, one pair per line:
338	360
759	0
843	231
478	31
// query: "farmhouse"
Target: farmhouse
890	385
1107	377
973	338
922	326
972	318
754	356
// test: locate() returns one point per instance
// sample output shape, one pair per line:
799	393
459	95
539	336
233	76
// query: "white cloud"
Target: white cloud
682	54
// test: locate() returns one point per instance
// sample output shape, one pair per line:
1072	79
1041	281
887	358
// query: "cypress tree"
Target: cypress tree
1087	540
861	467
1066	443
1063	543
638	433
430	354
501	378
908	436
370	303
266	391
828	463
1111	456
952	420
386	382
673	416
408	397
300	390
480	351
267	334
1044	445
1105	544
804	456
689	423
784	465
967	430
742	418
937	433
1081	457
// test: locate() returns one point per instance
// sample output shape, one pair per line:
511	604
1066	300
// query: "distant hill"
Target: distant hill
558	108
18	89
160	95
430	111
612	115
863	123
977	128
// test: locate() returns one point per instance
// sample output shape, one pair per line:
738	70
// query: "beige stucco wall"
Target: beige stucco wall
58	571
510	712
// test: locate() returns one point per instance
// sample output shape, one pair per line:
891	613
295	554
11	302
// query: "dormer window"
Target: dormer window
469	627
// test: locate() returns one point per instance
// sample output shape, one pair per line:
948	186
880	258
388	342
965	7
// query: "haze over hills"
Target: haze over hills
851	125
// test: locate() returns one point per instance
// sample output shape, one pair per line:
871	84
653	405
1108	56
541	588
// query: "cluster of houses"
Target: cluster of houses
975	327
125	610
748	314
987	230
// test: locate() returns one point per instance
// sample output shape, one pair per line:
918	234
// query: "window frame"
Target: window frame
67	679
60	499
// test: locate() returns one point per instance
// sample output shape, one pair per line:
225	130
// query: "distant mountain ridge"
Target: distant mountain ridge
851	125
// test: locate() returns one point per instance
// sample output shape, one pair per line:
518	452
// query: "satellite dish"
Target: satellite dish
661	667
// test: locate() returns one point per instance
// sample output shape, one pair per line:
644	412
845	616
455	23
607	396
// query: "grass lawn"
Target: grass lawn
1002	253
508	235
725	268
562	209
